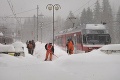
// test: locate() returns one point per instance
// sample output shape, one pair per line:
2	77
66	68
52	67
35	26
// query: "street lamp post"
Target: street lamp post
53	7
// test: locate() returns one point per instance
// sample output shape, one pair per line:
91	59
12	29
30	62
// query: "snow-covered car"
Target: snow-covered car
111	48
15	49
6	48
19	48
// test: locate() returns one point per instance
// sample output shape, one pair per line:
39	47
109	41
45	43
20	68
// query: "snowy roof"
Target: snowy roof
95	26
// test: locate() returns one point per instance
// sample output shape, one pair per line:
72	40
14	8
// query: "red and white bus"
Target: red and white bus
91	36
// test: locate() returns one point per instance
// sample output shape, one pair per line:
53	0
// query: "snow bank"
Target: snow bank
111	47
94	65
40	51
19	46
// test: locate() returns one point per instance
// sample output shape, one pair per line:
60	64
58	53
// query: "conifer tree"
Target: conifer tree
83	17
107	17
97	13
89	15
70	20
118	25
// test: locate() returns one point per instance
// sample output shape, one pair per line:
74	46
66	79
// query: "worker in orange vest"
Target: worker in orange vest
49	51
70	46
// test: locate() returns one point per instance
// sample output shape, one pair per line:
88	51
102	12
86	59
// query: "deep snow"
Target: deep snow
94	65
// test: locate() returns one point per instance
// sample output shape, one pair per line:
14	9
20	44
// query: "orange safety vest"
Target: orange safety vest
70	45
49	47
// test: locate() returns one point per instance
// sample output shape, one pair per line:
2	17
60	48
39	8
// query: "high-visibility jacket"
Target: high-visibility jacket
70	45
49	48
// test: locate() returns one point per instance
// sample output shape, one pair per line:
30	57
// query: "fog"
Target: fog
76	6
28	8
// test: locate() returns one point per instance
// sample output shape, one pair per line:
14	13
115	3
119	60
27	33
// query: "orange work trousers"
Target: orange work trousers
47	54
70	52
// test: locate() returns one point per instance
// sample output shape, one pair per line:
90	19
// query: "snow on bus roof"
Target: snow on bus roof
95	26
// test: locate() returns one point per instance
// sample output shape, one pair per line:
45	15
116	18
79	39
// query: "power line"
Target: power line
93	4
19	13
25	11
11	7
82	6
16	17
86	4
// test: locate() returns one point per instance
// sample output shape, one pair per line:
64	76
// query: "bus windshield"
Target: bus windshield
96	39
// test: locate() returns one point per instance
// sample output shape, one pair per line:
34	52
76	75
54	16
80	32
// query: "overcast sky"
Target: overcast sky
76	6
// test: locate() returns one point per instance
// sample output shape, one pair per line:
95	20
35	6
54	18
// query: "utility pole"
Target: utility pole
41	23
37	22
34	28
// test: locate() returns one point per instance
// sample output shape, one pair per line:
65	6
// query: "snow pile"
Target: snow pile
111	47
40	51
19	46
94	65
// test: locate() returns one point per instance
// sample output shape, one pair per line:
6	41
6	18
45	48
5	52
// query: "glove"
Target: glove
67	51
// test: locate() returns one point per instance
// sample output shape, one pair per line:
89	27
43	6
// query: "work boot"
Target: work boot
45	60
